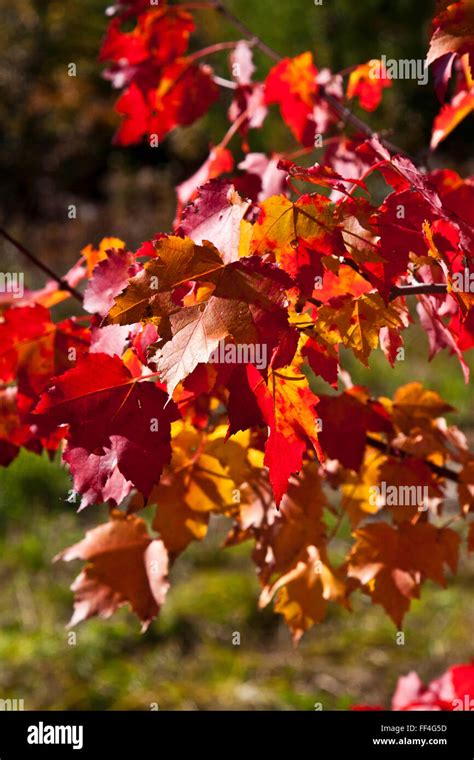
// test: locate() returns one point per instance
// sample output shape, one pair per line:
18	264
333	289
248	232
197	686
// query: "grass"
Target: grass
187	660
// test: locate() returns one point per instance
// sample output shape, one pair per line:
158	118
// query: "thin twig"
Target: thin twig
63	284
422	288
442	472
234	128
218	47
360	125
225	82
339	108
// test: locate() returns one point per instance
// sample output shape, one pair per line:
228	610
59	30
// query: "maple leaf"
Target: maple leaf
403	487
206	474
282	536
466	494
391	342
12	432
185	92
247	305
161	34
103	586
391	563
94	255
452	689
298	235
114	422
248	104
356	322
163	89
367	82
243	300
109	278
219	161
402	175
319	174
451	115
417	488
196	334
177	524
420	430
321	361
345	422
111	339
342	156
33	348
19	337
288	407
439	336
17	432
292	84
456	194
177	262
292	545
453	29
397	240
416	407
264	170
342	282
461	104
357	488
242	408
96	476
302	595
215	217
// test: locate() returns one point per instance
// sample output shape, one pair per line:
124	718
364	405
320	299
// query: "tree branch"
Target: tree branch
422	288
217	48
339	108
63	284
442	472
359	124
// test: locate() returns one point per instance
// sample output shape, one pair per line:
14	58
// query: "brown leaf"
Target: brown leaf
124	565
391	563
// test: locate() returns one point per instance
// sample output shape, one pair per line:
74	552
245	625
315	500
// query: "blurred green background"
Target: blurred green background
55	149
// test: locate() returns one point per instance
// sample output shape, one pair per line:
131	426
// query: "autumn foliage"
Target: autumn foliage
146	394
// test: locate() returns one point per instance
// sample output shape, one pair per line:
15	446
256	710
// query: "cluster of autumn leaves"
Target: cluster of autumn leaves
164	85
147	418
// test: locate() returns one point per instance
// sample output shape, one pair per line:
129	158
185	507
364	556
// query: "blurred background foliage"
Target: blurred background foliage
55	141
186	660
56	150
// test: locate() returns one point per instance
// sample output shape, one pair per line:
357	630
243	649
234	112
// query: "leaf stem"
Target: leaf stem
216	48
